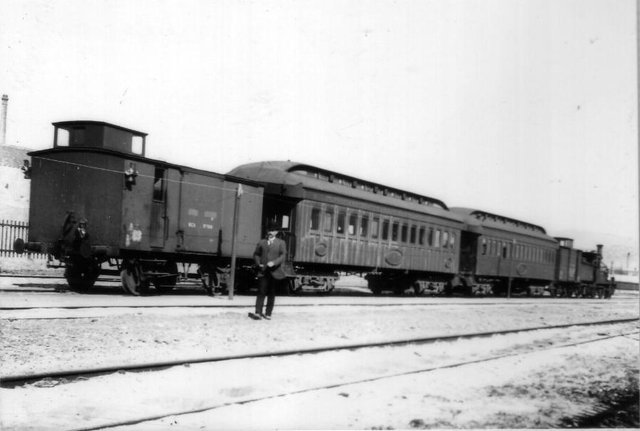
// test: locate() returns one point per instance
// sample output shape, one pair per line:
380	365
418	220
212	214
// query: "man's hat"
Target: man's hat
272	227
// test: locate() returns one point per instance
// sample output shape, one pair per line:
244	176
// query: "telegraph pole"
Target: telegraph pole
234	237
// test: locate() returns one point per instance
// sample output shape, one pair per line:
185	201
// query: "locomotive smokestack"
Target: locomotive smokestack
3	120
599	247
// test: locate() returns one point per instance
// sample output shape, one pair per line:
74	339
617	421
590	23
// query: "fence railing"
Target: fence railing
10	230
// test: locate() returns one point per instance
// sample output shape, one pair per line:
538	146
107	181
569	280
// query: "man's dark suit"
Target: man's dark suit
270	278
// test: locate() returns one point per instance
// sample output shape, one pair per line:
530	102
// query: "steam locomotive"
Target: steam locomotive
96	200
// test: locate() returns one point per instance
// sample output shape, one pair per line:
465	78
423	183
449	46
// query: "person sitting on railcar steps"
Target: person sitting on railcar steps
269	256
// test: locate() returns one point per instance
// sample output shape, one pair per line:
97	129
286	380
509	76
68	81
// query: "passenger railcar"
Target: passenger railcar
504	255
336	222
144	215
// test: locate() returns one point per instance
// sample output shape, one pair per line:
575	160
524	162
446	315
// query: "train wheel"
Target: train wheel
82	277
166	283
131	280
291	287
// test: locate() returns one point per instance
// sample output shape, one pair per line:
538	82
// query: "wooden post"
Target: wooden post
513	245
234	235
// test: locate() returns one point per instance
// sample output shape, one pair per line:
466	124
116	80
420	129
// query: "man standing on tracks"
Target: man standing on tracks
269	256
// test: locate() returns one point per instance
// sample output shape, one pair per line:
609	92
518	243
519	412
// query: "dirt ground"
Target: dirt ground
540	390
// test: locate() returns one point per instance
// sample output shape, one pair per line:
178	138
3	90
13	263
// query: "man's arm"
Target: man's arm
257	254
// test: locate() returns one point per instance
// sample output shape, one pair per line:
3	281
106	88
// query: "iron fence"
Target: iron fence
10	230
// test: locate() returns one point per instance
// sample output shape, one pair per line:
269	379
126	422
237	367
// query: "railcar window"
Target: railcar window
158	185
340	224
394	231
136	144
484	246
405	231
430	237
437	239
385	230
445	239
421	235
452	240
315	219
413	234
328	221
364	227
285	222
375	228
353	221
62	138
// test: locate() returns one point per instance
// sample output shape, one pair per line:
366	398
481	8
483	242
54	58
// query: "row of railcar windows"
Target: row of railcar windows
517	251
384	228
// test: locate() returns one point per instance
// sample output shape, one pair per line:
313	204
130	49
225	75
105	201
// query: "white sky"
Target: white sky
527	108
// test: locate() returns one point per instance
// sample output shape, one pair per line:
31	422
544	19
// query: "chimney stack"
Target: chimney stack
3	120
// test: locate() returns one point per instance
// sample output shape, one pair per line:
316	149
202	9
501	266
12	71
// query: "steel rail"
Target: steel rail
583	415
511	302
11	381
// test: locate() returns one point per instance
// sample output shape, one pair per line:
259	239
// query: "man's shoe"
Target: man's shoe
255	316
266	317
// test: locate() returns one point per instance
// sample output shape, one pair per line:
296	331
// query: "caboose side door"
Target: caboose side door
157	228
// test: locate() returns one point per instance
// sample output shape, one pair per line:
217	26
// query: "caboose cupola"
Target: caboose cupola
97	134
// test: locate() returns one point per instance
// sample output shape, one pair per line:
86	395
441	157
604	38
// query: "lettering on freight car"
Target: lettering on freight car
191	225
210	215
134	234
193	212
207	226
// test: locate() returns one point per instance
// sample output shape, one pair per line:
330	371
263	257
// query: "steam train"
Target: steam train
96	200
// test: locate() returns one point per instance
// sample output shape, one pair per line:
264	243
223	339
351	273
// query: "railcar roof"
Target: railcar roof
67	124
314	178
494	221
142	159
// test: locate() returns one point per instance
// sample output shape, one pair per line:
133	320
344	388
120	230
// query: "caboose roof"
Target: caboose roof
76	123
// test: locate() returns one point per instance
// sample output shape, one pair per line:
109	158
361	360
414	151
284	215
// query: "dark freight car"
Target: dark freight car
96	197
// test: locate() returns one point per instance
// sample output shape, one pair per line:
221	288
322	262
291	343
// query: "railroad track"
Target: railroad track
67	378
9	381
